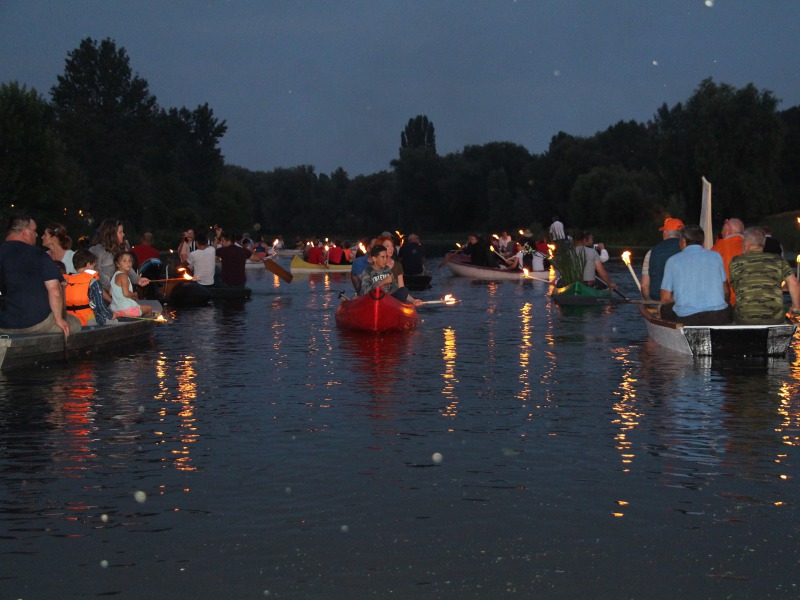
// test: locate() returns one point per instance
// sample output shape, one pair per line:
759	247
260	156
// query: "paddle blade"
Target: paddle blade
274	267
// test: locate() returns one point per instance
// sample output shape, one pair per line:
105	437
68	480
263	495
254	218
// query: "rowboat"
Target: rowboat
579	294
300	266
719	340
376	312
460	267
21	350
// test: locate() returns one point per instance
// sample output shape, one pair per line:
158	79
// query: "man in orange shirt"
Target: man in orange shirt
729	245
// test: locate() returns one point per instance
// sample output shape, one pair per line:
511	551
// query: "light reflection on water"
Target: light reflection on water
279	454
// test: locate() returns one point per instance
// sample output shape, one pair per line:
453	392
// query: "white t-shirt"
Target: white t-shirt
203	263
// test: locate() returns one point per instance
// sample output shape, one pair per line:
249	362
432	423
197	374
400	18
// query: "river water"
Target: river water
505	448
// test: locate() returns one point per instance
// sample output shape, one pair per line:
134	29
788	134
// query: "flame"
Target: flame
160	319
798	259
326	247
448	299
521	232
495	236
459	245
362	247
275	243
187	277
525	272
626	257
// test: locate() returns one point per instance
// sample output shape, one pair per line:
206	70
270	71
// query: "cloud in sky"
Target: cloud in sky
332	84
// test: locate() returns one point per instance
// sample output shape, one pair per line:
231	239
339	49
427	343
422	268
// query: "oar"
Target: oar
624	297
273	267
447	259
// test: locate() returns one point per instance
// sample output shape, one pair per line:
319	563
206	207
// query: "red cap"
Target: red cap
672	225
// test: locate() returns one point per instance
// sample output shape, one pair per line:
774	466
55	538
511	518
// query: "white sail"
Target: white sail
705	215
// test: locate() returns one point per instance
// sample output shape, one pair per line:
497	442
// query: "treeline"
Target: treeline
101	146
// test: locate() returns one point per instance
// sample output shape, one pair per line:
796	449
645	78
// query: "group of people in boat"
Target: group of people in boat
58	288
380	266
740	279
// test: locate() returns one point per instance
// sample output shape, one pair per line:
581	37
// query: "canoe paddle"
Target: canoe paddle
278	270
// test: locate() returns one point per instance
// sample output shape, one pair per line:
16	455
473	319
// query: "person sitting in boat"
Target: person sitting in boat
59	245
317	254
187	244
557	230
234	258
729	245
124	301
379	276
476	250
504	244
695	287
108	241
144	249
397	268
336	254
593	269
202	263
30	285
656	258
756	277
261	249
361	263
83	294
412	255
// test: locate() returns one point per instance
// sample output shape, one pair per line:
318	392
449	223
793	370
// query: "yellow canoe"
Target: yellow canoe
300	266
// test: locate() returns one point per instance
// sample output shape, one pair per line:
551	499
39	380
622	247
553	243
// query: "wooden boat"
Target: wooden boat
300	266
579	294
376	312
417	283
719	340
461	267
21	350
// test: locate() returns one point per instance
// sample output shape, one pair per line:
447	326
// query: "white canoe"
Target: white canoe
719	340
464	269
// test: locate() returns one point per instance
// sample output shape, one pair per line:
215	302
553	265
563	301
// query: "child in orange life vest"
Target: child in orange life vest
83	292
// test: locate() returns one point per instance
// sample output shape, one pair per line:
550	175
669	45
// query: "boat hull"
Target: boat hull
376	312
30	349
300	266
464	269
720	341
578	294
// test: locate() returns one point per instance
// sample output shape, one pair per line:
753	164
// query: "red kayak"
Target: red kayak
376	312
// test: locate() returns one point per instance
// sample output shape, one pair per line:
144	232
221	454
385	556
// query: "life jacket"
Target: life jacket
76	295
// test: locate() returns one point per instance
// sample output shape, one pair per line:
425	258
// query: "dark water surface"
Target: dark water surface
505	448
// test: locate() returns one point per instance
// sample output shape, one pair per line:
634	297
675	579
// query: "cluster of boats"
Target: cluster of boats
378	312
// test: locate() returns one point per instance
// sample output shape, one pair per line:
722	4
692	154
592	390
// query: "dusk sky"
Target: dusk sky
333	83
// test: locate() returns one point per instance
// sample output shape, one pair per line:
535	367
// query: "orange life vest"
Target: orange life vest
76	295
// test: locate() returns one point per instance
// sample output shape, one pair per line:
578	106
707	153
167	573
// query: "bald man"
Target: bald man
731	244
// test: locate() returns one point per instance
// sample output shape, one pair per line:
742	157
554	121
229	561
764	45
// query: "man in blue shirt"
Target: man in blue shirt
695	281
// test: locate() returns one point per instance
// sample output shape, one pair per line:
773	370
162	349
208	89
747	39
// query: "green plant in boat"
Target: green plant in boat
569	262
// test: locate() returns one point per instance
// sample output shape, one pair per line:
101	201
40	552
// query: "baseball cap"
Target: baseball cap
672	225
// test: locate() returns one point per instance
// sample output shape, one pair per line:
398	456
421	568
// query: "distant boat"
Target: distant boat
300	266
461	267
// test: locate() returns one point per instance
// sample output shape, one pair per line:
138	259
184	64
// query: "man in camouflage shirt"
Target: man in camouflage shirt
756	278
